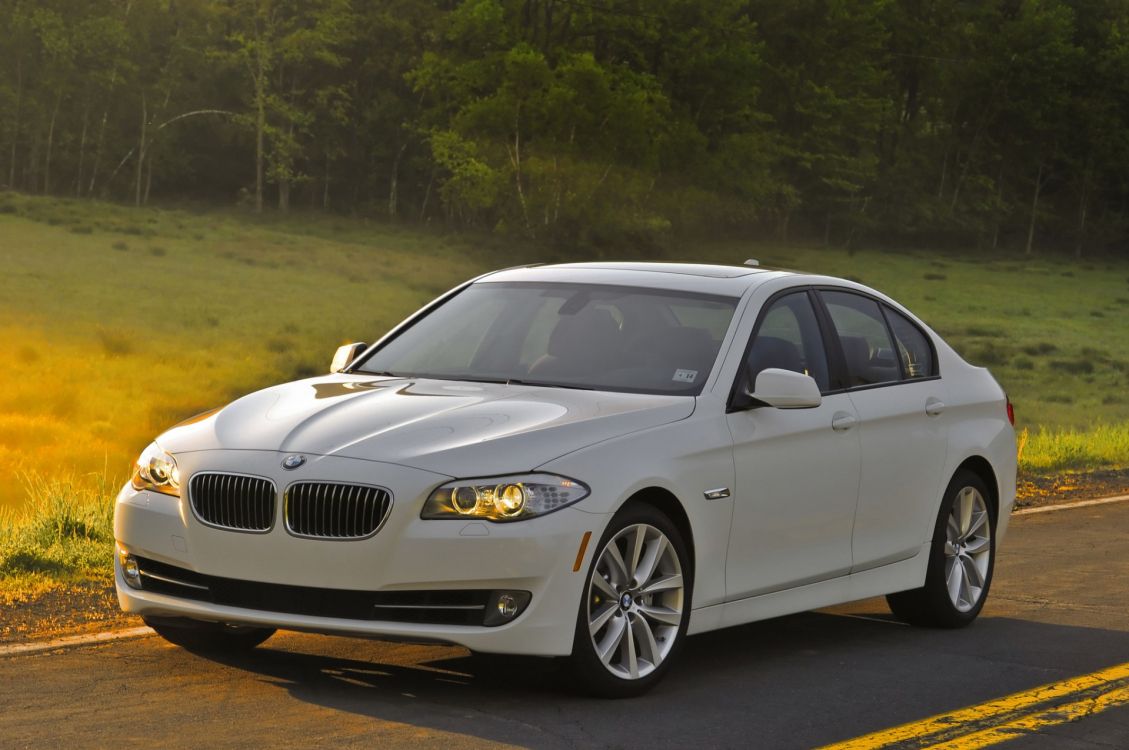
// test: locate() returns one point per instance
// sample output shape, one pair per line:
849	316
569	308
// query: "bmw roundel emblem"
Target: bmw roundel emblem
293	462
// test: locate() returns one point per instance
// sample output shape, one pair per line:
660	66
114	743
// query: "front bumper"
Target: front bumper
407	554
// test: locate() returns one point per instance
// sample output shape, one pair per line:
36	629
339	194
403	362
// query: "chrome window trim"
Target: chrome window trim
883	305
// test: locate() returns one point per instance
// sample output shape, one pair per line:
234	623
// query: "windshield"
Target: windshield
565	335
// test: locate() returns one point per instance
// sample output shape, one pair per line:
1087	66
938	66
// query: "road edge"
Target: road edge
71	641
1068	506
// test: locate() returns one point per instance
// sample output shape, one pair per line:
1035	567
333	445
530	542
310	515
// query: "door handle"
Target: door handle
934	407
842	421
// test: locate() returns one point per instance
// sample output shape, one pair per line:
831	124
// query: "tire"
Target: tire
962	555
208	637
639	629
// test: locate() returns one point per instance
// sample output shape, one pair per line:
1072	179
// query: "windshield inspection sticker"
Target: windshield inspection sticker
685	376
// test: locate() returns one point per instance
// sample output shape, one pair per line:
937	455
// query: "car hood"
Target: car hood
455	428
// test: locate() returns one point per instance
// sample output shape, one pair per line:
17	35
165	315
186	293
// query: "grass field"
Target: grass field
117	323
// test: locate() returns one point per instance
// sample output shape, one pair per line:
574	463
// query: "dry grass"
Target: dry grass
20	588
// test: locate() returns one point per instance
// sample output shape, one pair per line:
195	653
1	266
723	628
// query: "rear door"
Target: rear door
891	377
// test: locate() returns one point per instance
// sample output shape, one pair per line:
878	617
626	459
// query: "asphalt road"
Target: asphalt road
1059	608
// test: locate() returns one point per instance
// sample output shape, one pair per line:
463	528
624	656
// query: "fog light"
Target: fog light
130	572
507	606
504	606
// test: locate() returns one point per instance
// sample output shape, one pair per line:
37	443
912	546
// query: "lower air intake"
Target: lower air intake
444	607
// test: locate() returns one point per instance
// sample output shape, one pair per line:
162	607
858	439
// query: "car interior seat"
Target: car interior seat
586	343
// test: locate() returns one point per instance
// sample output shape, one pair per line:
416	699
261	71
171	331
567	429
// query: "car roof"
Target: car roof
693	277
688	269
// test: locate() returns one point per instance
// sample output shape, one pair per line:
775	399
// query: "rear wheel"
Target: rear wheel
208	637
961	560
636	605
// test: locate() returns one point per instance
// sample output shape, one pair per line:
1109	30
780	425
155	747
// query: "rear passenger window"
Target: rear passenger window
865	339
913	346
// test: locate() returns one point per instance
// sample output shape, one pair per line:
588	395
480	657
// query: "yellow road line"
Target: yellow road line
1001	707
1030	723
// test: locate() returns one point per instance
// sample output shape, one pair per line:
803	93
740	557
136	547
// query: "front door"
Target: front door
797	470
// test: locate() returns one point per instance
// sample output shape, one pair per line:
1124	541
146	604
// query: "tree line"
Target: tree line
997	123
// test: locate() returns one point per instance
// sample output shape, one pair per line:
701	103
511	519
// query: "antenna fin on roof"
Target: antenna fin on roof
752	262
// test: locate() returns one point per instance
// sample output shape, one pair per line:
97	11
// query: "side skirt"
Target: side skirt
899	576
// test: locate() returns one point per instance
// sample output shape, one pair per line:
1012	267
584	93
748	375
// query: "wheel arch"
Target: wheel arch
982	468
667	503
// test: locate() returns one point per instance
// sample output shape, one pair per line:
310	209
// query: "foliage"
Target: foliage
1048	452
616	125
65	529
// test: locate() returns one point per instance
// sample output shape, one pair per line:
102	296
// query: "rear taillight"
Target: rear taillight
1010	411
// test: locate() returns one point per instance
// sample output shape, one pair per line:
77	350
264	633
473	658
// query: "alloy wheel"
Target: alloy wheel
635	601
968	549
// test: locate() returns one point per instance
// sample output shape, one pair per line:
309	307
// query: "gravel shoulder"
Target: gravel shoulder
1035	490
53	609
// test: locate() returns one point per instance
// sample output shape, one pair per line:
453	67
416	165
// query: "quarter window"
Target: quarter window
788	338
913	347
865	339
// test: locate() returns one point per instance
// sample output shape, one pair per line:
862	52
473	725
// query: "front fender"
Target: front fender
686	459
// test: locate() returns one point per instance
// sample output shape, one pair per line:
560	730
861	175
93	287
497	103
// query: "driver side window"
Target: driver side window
788	338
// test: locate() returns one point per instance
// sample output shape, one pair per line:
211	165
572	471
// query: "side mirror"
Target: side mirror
784	389
346	354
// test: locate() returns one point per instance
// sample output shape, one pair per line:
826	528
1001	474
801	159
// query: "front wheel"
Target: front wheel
961	560
636	605
208	637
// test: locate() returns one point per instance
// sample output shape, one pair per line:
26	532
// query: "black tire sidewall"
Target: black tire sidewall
207	637
944	612
593	677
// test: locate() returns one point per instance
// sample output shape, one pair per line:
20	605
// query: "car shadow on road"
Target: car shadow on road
789	682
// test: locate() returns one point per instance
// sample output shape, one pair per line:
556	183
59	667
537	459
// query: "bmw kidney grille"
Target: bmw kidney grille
233	501
327	510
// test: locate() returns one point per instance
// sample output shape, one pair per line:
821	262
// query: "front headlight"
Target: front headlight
156	470
510	498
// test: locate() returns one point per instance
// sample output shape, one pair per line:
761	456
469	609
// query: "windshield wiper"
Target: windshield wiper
458	379
539	384
493	381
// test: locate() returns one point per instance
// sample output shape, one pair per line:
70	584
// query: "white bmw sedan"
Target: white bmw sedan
589	461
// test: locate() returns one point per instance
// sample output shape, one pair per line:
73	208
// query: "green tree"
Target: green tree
826	91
